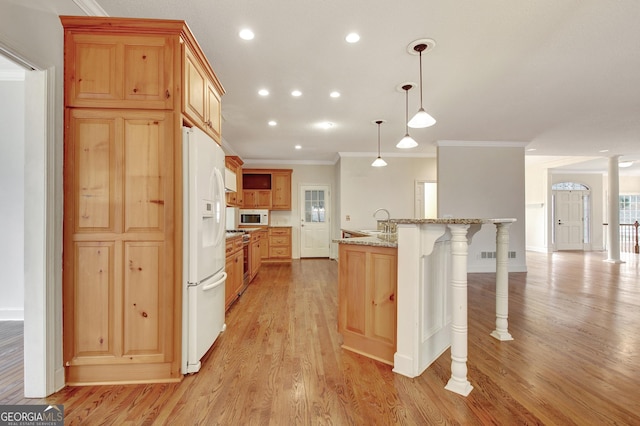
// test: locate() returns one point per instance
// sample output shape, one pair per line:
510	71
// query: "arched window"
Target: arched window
569	186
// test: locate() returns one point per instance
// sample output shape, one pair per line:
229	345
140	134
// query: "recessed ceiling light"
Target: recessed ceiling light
334	94
325	124
352	38
263	92
273	123
531	149
246	34
296	93
625	164
298	147
604	150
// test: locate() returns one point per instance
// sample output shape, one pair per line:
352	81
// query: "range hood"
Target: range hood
230	181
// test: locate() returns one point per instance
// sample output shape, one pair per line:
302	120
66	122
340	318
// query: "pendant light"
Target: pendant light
407	141
379	162
422	118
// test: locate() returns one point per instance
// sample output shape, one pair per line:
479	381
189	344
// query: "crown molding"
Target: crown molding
90	7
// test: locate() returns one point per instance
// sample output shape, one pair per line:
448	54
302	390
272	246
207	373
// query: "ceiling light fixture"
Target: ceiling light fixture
352	38
407	141
273	123
263	92
625	164
422	118
296	93
246	34
334	94
379	162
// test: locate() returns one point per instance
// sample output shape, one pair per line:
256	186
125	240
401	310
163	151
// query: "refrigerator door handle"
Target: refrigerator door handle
220	193
216	284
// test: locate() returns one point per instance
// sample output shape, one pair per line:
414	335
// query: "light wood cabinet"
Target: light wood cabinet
280	244
120	71
264	244
122	238
256	199
201	96
267	188
235	199
234	268
367	309
255	259
281	190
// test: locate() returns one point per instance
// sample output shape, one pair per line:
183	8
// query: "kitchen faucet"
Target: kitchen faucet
387	226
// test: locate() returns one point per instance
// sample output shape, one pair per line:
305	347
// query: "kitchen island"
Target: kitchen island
431	296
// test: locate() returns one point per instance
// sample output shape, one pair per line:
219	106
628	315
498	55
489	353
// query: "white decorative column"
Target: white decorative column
502	280
458	382
613	230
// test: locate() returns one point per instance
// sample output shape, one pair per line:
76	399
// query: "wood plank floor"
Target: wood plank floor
575	358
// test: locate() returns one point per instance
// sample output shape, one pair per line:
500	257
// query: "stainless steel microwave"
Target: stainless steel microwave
257	217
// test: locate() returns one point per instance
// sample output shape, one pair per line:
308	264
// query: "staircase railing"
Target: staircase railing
628	237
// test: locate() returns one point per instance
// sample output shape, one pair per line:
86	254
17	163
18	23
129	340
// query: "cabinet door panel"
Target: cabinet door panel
94	178
194	105
144	298
94	300
147	72
382	294
144	164
354	291
96	69
213	112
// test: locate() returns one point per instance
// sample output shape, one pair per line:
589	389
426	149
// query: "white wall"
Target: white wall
364	189
12	199
32	30
476	181
629	185
303	174
536	208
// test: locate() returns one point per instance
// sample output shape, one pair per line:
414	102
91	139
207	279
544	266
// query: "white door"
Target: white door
314	218
569	223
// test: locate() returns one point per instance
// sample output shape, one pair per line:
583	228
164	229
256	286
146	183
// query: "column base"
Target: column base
461	388
502	336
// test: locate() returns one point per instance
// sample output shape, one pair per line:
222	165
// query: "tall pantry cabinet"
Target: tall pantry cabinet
128	91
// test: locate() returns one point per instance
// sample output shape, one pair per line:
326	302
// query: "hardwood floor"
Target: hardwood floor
575	320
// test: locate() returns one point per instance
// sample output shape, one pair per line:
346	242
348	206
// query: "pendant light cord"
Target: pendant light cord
420	78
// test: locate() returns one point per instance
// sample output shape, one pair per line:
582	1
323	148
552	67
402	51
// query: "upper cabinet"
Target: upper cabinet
120	71
201	96
234	163
140	64
267	188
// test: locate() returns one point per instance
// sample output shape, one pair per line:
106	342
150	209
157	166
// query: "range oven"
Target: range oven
256	217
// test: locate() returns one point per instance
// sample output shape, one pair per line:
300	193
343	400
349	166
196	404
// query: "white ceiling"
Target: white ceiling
563	77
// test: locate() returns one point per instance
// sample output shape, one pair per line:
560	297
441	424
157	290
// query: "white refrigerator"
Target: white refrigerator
203	246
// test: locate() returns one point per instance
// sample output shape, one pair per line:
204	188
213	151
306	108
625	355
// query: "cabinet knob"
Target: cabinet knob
392	297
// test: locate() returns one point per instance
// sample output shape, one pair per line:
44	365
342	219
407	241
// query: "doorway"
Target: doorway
42	312
571	216
314	221
426	199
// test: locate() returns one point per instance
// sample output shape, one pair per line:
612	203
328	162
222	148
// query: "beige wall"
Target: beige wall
483	180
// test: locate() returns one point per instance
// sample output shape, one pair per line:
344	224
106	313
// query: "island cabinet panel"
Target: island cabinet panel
120	71
367	300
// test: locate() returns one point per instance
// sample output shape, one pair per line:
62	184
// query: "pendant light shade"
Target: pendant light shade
407	141
379	162
422	118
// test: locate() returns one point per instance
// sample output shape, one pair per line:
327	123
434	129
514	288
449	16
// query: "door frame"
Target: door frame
586	214
327	212
43	370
